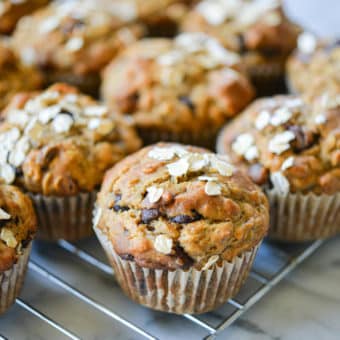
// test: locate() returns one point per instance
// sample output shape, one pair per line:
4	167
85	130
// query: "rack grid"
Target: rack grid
70	290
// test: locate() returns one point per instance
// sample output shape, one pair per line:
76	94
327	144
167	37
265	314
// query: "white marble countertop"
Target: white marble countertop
305	305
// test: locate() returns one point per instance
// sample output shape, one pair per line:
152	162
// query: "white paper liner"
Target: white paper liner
202	138
68	218
179	291
303	217
11	280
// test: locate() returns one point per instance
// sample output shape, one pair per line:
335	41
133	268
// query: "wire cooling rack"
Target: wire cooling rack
70	292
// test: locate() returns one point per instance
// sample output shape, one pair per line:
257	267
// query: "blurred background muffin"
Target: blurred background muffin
17	228
177	90
14	76
170	216
291	146
71	41
12	10
57	145
315	65
258	30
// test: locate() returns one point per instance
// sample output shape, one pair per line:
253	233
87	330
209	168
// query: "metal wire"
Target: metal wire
266	284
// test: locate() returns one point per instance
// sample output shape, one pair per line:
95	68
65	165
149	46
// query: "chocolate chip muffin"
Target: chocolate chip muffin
12	10
71	41
290	146
57	145
180	226
258	30
177	90
315	65
14	76
17	229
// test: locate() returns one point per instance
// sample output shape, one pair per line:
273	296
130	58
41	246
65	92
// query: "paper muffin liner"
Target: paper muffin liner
11	280
192	291
297	217
203	138
68	218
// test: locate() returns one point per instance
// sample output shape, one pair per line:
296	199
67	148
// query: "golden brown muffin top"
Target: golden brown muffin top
173	206
185	84
17	225
315	65
14	77
12	10
245	26
82	35
60	142
288	142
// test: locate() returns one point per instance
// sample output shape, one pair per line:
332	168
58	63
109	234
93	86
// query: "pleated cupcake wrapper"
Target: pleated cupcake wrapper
68	218
303	217
202	138
11	280
193	291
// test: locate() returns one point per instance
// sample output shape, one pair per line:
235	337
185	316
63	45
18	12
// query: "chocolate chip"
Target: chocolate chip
304	139
18	172
183	259
118	197
187	101
119	208
128	104
127	257
258	173
185	219
149	215
242	48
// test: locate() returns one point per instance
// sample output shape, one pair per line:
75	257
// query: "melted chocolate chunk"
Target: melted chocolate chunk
127	257
185	219
187	101
119	208
242	48
304	139
258	173
148	215
184	260
118	197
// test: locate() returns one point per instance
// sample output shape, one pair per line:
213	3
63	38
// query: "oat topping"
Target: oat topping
280	182
246	13
212	260
212	188
244	145
281	116
8	237
154	194
209	52
262	120
4	215
307	43
280	142
288	163
49	113
163	244
320	119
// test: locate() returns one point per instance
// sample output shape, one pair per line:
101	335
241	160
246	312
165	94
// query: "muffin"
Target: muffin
82	35
14	76
17	229
57	145
180	226
258	30
315	66
291	147
180	90
12	10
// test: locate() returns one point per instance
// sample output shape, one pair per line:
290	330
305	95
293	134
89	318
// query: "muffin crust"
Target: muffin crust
170	206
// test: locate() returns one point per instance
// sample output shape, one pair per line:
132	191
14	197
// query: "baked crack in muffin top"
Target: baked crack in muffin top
186	84
17	225
172	206
60	142
290	142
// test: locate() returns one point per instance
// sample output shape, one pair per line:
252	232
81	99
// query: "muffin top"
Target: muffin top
60	142
245	26
14	77
315	66
82	35
12	10
172	206
184	84
287	142
17	225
